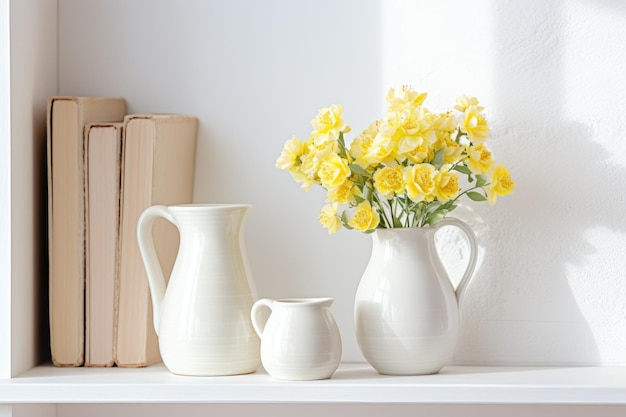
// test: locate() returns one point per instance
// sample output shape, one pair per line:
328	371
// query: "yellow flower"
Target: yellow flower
361	145
480	160
328	124
415	130
310	162
333	170
399	98
420	183
464	102
445	122
420	154
452	151
365	218
330	219
388	181
305	180
475	124
291	153
446	185
381	149
342	194
501	184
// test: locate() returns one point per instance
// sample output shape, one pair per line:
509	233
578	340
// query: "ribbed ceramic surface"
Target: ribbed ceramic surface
406	312
203	321
300	340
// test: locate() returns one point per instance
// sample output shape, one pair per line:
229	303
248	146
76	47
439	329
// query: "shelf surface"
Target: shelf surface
352	383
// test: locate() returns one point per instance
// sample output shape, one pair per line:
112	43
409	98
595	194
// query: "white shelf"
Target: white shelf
352	383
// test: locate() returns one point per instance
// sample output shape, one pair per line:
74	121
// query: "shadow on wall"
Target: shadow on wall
524	306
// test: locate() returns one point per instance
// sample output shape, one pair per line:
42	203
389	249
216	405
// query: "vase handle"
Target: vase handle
154	273
471	265
254	314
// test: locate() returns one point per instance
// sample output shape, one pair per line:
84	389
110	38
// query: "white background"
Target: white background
550	284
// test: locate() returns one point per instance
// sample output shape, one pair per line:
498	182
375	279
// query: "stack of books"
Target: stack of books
105	167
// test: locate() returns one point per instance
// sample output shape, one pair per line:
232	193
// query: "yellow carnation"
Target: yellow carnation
445	122
305	180
501	184
475	124
399	98
343	194
328	124
380	150
388	181
365	218
415	130
361	145
333	170
480	160
420	182
464	102
446	185
452	151
330	219
291	153
420	154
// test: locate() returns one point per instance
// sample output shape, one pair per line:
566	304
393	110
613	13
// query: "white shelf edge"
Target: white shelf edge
352	383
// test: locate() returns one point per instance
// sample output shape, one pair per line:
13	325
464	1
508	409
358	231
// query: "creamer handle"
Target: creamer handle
154	272
254	314
471	265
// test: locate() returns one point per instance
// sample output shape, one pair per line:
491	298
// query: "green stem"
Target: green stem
383	214
468	190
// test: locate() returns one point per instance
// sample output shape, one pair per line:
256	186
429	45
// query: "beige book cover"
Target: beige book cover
66	118
159	163
103	172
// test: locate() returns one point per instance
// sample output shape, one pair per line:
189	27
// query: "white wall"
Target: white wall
549	287
28	75
5	192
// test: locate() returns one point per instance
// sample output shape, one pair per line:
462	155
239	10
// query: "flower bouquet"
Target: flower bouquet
408	169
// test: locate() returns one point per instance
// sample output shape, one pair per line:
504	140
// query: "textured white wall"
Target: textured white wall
550	282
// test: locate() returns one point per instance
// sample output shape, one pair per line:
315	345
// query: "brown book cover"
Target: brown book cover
159	163
66	119
103	173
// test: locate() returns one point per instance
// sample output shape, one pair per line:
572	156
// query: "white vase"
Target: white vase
202	319
300	340
406	309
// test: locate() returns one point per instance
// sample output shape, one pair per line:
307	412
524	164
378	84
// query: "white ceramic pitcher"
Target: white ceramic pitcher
300	340
203	318
406	309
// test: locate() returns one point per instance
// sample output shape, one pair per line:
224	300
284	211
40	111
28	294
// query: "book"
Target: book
103	173
159	163
66	119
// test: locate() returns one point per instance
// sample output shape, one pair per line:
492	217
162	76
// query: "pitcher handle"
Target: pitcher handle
254	314
150	259
471	266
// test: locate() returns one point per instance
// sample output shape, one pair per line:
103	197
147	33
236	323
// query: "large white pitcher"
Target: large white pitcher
203	318
406	309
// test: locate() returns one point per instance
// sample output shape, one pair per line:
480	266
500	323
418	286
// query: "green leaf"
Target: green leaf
432	206
476	196
344	220
481	180
462	169
358	199
437	161
447	205
358	170
434	218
